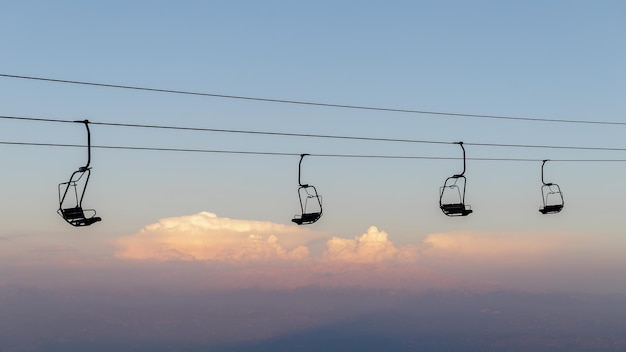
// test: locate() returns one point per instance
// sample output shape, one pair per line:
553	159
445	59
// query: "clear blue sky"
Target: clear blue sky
561	59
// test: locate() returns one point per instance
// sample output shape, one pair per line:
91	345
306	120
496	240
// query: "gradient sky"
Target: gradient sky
191	223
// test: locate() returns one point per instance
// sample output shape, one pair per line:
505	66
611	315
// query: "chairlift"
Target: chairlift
72	192
452	193
310	201
551	195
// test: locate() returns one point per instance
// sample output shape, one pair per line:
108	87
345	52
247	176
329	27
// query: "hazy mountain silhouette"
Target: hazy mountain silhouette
310	319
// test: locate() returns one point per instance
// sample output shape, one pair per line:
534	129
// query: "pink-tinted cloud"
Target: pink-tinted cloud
205	236
503	248
463	258
373	246
529	260
368	260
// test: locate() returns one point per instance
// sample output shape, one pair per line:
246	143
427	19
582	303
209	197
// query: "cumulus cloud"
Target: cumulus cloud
373	246
205	236
235	249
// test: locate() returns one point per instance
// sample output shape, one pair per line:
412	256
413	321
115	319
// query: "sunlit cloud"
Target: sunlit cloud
373	246
235	248
205	236
238	253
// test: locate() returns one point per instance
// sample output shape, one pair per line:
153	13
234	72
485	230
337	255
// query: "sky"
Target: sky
198	251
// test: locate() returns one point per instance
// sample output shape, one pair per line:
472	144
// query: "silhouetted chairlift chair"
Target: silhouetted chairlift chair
551	195
72	192
452	193
310	201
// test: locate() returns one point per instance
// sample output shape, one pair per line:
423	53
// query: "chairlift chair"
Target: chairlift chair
452	193
71	195
551	196
310	201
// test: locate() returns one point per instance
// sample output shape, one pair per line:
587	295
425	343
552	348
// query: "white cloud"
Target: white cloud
373	246
205	236
235	248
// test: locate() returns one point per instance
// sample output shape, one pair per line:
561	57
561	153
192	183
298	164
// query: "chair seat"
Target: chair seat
307	218
76	216
456	209
85	221
551	209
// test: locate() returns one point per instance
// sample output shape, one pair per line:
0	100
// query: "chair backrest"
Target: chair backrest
73	213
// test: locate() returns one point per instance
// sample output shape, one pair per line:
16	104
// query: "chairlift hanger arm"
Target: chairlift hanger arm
463	148
542	179
300	171
86	122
